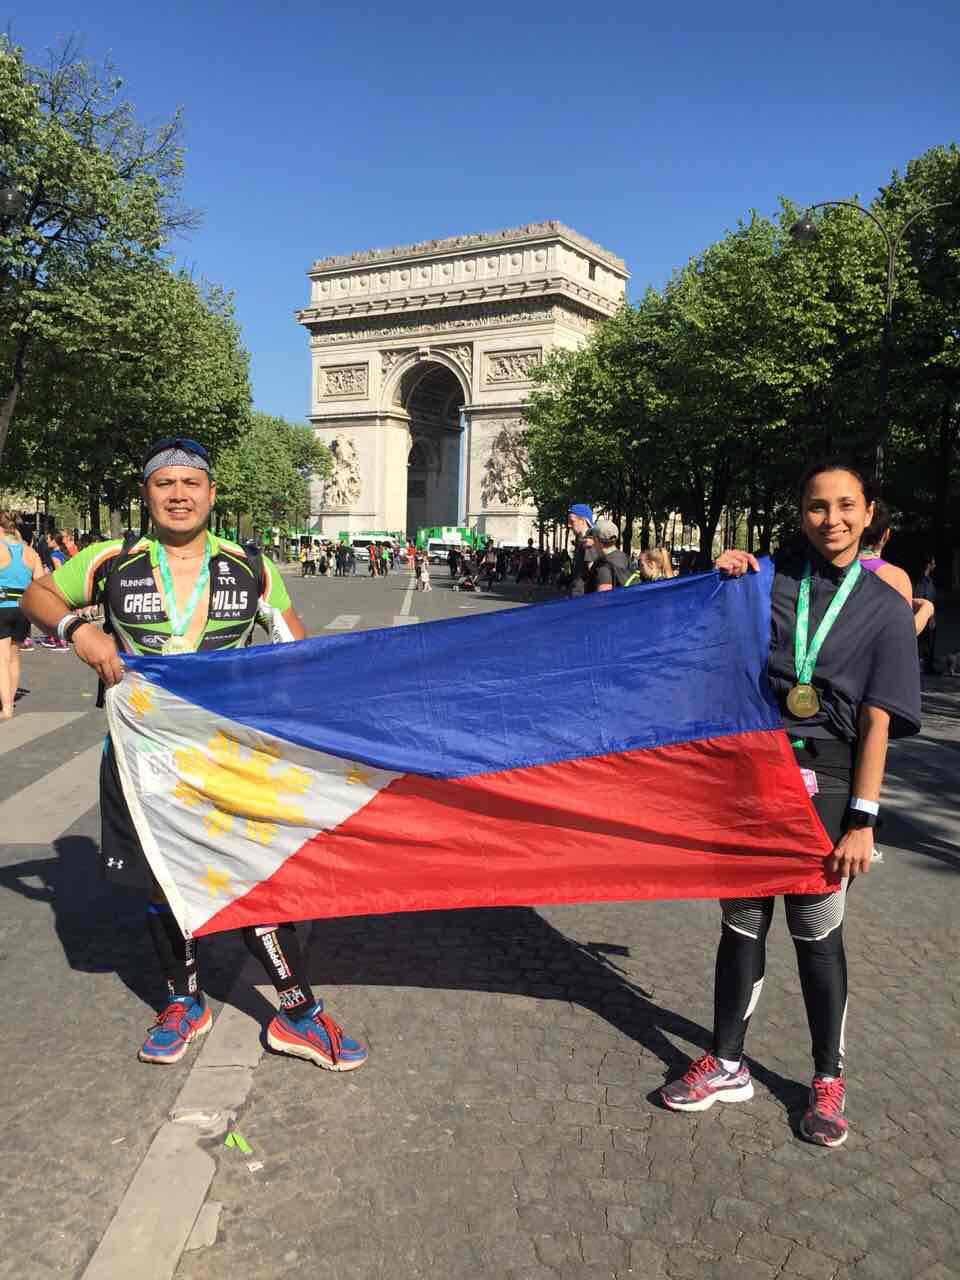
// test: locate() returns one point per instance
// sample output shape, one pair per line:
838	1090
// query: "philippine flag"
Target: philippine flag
622	746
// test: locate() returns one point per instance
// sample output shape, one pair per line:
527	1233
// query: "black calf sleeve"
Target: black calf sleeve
177	954
739	980
823	979
278	950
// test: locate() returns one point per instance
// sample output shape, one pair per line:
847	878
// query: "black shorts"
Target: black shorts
832	761
14	625
122	860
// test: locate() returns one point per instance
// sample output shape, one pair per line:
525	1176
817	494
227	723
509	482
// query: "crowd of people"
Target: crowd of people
26	555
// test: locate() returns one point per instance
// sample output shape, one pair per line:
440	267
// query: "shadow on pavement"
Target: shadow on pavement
512	950
101	927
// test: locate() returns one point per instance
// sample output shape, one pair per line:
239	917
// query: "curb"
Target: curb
160	1212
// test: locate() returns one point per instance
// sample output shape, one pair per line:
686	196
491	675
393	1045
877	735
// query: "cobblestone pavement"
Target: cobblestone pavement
507	1123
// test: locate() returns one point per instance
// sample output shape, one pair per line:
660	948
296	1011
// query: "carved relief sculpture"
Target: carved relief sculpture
342	488
463	354
511	366
503	474
344	380
390	359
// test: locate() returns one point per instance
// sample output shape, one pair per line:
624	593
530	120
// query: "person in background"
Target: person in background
610	567
19	566
650	565
53	556
875	538
926	590
580	522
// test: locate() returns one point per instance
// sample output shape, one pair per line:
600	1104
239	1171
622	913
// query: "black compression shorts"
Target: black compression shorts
122	860
14	625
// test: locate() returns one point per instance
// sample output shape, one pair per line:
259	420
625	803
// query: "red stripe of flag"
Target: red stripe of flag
709	818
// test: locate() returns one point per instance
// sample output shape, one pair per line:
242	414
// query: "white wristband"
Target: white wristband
865	806
64	623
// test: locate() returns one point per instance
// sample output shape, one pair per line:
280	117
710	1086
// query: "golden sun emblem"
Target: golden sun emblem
239	783
141	701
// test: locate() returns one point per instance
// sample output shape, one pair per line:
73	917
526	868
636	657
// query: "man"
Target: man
580	521
527	570
180	591
453	562
610	567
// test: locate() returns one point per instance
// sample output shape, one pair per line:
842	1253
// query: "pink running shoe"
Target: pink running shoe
824	1122
706	1082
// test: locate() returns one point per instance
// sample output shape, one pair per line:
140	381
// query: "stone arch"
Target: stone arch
391	394
431	392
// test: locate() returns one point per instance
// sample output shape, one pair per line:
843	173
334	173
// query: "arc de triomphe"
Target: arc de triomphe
421	359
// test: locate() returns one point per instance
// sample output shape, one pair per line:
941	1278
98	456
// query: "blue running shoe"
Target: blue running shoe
184	1019
316	1037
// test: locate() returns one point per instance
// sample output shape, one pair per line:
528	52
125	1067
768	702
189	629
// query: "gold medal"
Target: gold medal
176	644
802	701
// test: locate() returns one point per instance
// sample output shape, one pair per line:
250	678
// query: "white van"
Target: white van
437	550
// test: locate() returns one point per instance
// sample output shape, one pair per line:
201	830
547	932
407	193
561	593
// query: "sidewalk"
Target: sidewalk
507	1122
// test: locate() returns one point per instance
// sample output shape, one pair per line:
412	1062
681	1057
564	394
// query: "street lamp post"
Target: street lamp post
805	229
13	201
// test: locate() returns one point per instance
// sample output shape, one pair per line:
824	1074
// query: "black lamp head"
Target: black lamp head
12	202
805	228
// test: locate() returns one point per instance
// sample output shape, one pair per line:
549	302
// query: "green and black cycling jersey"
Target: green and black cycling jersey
124	581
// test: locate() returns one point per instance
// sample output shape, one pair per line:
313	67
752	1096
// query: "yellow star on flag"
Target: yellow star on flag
215	880
357	774
141	701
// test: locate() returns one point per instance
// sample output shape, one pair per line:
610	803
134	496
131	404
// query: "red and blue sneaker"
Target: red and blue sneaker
315	1036
706	1082
824	1122
184	1019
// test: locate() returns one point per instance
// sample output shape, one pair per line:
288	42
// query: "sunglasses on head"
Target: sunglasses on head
176	442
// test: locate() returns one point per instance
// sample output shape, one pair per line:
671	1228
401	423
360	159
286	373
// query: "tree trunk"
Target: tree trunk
93	497
946	443
9	401
629	513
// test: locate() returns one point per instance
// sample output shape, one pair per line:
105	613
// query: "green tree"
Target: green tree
176	367
265	473
925	391
98	190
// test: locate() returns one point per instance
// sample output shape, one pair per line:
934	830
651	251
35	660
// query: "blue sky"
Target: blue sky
320	129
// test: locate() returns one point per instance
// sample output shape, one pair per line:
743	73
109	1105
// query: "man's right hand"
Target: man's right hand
98	650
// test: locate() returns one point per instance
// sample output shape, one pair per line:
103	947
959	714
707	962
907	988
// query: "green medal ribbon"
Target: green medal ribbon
180	621
804	655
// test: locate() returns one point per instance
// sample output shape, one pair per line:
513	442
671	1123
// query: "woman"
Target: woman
19	565
654	564
875	538
843	668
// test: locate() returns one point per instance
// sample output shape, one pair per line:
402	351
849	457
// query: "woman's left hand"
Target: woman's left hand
852	853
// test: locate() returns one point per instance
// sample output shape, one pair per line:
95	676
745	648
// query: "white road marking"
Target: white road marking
343	622
400	621
408	598
44	810
27	725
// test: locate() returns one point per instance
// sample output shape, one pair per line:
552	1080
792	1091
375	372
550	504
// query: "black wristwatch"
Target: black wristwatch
857	819
71	630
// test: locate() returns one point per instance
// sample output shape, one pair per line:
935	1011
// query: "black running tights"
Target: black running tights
816	925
